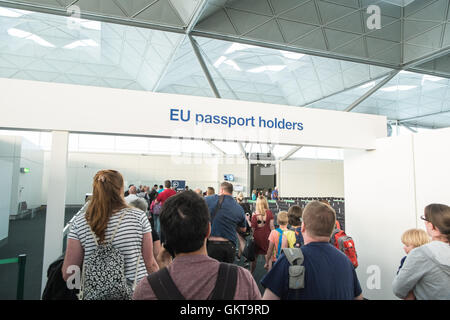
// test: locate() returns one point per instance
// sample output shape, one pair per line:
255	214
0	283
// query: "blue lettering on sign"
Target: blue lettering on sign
232	121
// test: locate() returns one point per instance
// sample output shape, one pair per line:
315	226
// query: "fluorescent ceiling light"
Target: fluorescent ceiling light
81	43
431	78
219	61
11	13
267	68
398	88
400	3
237	47
233	64
29	36
88	24
367	85
229	62
292	55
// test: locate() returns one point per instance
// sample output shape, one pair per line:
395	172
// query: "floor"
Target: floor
25	237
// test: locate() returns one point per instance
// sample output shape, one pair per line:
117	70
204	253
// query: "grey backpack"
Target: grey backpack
296	270
103	275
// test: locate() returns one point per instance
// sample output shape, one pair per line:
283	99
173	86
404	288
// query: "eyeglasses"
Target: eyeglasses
424	218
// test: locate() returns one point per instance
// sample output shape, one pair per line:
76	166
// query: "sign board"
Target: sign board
179	185
75	108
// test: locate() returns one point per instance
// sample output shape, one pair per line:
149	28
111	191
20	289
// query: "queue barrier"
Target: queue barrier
21	260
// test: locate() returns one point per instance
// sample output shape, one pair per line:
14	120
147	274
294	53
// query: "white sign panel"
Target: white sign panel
50	106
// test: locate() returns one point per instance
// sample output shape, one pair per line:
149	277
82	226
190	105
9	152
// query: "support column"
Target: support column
56	201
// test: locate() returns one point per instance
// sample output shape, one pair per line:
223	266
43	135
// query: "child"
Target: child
283	234
295	224
413	238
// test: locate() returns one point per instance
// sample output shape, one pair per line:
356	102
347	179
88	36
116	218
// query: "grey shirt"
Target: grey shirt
426	271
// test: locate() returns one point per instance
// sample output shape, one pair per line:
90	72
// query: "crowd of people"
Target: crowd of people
184	245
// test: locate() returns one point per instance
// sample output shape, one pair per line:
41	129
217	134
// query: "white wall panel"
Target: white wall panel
312	178
379	207
432	164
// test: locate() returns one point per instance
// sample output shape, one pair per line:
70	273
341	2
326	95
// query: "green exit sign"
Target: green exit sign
24	170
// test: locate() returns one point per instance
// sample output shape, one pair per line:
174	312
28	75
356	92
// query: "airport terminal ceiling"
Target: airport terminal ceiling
308	53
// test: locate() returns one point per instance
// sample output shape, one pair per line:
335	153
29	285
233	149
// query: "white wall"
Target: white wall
311	178
30	184
6	174
386	191
432	164
147	170
379	206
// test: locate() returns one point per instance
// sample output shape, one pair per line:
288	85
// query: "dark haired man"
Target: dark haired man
227	217
193	275
329	274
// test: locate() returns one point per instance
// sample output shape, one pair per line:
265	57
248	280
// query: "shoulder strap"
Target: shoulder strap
332	238
294	256
226	282
296	270
280	240
117	227
163	286
217	208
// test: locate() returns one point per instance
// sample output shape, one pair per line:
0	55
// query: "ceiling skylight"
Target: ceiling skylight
398	88
29	36
267	68
81	43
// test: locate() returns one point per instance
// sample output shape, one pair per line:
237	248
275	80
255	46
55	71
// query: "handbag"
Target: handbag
249	250
157	209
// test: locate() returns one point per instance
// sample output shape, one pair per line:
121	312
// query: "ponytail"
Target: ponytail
106	199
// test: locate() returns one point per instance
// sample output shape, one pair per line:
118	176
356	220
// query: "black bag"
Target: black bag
56	287
165	289
249	250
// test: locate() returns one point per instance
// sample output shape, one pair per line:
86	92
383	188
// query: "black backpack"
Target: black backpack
165	289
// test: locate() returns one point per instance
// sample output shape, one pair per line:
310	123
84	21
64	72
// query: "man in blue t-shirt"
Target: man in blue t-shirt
329	274
225	221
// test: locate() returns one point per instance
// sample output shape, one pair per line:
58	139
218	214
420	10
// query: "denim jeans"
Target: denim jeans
156	223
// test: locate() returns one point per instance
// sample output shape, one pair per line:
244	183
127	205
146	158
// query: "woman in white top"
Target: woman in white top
132	238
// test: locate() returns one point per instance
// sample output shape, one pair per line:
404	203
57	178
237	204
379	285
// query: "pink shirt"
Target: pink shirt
195	277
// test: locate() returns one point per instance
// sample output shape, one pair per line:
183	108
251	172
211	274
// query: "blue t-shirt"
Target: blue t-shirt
274	195
229	217
329	275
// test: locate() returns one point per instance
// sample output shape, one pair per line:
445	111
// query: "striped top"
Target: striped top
128	238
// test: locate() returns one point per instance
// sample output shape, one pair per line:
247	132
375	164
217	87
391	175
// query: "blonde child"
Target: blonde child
287	237
413	238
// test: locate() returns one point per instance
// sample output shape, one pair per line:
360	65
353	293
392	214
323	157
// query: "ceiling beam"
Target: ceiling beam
423	116
90	16
286	47
429	57
196	16
244	154
408	127
290	153
215	147
200	59
348	89
371	91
